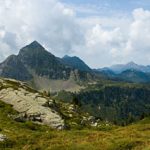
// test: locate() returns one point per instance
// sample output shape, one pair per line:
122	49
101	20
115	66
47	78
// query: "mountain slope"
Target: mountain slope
40	108
134	76
107	72
12	67
76	63
117	102
27	136
31	104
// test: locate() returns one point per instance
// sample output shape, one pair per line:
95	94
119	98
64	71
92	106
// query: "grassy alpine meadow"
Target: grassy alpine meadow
30	136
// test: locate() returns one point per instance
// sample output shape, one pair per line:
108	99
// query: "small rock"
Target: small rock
94	124
70	115
60	128
2	137
91	118
20	118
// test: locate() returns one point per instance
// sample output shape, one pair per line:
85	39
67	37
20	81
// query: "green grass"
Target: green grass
30	136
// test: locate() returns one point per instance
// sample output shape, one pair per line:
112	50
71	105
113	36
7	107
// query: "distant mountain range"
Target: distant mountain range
131	72
119	68
130	66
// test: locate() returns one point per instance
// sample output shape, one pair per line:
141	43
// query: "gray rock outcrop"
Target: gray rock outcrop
30	104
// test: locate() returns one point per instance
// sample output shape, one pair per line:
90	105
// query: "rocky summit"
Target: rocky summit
30	104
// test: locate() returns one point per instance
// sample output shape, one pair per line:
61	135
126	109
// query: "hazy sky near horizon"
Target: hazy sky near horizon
101	32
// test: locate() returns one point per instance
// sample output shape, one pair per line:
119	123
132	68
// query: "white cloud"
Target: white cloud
98	40
138	45
121	43
48	21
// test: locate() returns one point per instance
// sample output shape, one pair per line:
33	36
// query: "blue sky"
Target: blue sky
101	32
115	4
106	7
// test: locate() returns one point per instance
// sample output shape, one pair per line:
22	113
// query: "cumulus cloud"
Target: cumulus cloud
48	21
98	40
139	36
119	44
137	45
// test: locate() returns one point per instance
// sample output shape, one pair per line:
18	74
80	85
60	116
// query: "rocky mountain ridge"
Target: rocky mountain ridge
34	63
35	57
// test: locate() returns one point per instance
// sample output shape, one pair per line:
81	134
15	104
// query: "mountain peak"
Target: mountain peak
131	63
32	48
76	62
66	56
35	44
10	59
71	57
